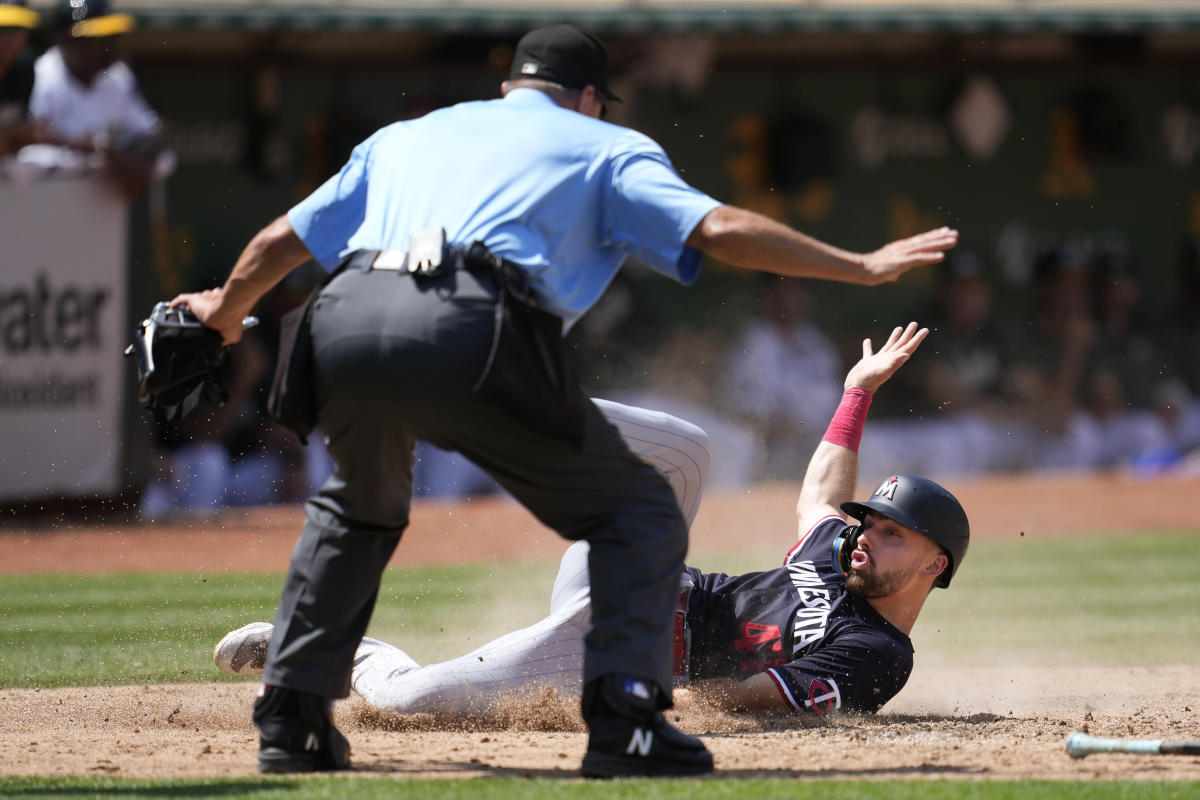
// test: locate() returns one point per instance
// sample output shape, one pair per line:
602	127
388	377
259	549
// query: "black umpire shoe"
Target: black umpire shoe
296	732
629	736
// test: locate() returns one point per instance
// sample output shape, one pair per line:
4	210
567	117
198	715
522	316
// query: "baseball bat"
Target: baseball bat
1080	745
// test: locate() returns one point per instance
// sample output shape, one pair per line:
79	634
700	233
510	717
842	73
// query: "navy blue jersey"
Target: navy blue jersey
825	648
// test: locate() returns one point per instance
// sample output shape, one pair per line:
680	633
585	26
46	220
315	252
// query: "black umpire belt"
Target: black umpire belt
527	372
475	258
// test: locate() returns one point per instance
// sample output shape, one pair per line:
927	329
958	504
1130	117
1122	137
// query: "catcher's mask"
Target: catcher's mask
179	362
916	503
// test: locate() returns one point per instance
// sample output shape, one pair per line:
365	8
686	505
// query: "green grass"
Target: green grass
1124	600
534	789
95	630
1105	601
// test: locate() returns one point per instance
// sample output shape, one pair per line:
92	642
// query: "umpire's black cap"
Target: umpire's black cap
92	19
565	55
14	14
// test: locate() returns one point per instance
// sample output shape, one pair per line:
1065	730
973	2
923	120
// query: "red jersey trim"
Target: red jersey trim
804	538
783	690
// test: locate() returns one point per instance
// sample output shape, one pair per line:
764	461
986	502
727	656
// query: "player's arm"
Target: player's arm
833	471
859	671
273	252
758	693
753	241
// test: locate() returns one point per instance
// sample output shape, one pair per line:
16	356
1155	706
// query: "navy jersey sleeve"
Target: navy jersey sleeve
859	670
817	542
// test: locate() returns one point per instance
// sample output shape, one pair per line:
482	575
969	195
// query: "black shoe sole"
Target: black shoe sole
602	765
276	759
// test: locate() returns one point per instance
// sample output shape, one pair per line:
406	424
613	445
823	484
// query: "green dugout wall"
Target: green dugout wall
1019	142
1024	134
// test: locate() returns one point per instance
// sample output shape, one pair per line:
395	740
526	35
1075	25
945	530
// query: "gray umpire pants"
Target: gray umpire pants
396	359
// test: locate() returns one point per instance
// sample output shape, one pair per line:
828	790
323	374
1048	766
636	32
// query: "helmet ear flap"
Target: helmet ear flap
844	545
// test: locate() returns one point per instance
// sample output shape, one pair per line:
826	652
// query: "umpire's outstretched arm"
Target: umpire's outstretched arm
752	241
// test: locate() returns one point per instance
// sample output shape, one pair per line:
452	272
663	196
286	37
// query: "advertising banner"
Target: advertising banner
62	313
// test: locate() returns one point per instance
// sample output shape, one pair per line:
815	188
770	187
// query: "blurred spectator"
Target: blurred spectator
971	356
1122	348
680	379
439	474
1178	412
783	376
232	456
1044	384
235	455
90	103
955	421
1189	342
1114	433
16	76
1125	369
608	344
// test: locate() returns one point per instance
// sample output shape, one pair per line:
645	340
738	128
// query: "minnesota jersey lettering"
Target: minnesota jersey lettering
809	625
824	648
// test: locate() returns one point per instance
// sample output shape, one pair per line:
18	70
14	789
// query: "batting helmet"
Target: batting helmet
922	505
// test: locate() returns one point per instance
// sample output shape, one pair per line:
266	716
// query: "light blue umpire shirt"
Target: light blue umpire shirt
567	197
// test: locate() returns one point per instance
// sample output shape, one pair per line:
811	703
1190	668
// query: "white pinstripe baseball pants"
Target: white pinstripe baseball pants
548	653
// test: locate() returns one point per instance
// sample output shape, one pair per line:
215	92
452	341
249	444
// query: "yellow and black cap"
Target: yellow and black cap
565	55
14	14
91	19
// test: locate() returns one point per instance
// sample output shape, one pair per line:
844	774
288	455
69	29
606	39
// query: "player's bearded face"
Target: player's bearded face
885	559
871	581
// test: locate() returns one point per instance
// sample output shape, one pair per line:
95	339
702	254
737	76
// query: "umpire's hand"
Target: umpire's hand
895	258
210	308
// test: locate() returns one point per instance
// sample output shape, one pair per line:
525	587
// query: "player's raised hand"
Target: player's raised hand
894	259
873	369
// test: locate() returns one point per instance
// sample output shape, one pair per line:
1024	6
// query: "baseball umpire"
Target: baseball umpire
462	243
827	631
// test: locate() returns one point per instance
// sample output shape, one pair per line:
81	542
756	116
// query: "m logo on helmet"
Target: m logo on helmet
888	488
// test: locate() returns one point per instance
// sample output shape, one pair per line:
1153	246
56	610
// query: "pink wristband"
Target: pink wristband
846	427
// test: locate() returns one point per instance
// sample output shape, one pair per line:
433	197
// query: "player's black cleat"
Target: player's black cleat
629	736
296	733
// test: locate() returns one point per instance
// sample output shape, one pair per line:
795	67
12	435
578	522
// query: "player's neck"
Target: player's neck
901	608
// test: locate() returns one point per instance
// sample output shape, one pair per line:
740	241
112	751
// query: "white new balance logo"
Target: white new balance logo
641	741
312	742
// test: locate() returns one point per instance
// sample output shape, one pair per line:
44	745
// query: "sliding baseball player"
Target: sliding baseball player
826	631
